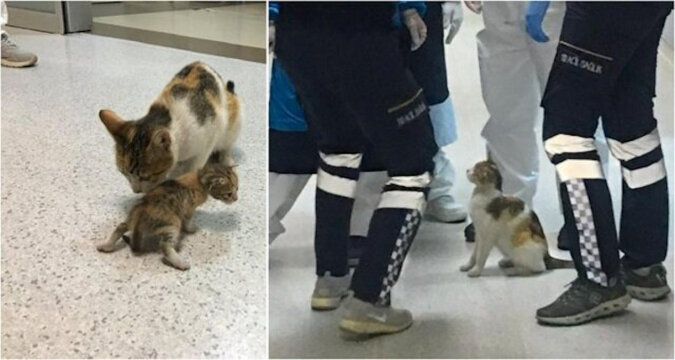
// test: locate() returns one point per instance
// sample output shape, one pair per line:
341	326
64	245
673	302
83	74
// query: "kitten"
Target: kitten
196	116
508	223
158	218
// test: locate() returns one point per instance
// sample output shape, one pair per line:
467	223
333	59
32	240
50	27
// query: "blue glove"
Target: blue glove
534	17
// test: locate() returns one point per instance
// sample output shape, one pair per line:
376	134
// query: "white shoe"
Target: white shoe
445	209
329	291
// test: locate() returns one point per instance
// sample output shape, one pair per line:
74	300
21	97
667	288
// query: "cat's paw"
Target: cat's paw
179	264
466	267
474	273
190	229
106	247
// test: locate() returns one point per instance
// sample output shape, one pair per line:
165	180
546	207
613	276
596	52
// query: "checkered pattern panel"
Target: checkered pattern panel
405	237
588	242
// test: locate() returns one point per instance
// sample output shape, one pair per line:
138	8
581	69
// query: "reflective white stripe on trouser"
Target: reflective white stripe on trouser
644	176
335	185
411	181
579	169
635	148
342	160
563	143
396	199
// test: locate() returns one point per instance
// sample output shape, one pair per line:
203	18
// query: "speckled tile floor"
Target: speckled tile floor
61	194
458	317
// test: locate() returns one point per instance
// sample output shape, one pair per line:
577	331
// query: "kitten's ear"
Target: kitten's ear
111	121
162	139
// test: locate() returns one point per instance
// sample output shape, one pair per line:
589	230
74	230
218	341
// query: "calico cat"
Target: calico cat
158	218
195	118
508	223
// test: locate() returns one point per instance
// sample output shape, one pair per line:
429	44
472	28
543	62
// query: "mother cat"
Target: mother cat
196	117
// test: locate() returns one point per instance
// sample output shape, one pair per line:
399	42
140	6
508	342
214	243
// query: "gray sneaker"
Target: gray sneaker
329	291
446	209
648	287
13	56
362	319
585	301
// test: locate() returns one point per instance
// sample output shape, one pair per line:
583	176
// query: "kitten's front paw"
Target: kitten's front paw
474	273
466	267
106	247
179	264
190	229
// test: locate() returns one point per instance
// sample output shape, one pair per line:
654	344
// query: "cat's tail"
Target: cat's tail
555	263
230	87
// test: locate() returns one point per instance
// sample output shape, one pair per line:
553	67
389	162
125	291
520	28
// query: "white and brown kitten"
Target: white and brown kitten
507	223
196	117
158	218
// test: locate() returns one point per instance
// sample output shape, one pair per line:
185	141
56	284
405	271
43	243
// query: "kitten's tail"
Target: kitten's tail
555	263
229	87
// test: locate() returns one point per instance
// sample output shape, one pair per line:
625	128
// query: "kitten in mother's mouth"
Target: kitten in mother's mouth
507	223
158	218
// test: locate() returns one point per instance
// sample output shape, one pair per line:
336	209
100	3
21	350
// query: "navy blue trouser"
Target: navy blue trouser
355	89
605	66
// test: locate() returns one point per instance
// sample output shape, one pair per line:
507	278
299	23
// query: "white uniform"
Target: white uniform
514	70
284	189
3	15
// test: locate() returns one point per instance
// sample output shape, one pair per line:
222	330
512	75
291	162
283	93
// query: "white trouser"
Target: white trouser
368	191
445	133
513	71
3	15
444	175
284	189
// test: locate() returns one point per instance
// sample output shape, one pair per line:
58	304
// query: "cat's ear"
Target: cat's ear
112	121
162	139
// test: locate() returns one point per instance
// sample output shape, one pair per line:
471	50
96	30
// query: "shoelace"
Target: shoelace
6	42
575	291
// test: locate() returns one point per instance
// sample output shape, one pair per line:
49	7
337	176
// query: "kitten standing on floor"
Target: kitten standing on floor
505	222
196	117
158	218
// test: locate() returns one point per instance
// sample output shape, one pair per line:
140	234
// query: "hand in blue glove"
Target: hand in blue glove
534	17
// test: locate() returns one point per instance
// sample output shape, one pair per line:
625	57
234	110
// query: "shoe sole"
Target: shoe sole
18	64
362	330
326	304
436	219
648	294
603	310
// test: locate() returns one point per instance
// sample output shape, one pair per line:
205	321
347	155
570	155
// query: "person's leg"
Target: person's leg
634	139
368	192
395	119
4	16
580	86
505	65
12	55
303	55
428	67
442	205
284	189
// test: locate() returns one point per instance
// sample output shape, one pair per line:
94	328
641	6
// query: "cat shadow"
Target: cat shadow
238	155
126	202
217	221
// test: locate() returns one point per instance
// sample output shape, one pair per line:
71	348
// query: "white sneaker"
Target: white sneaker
365	319
13	56
329	291
446	209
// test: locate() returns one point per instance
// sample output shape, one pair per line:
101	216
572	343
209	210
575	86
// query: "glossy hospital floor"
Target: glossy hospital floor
458	317
62	194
